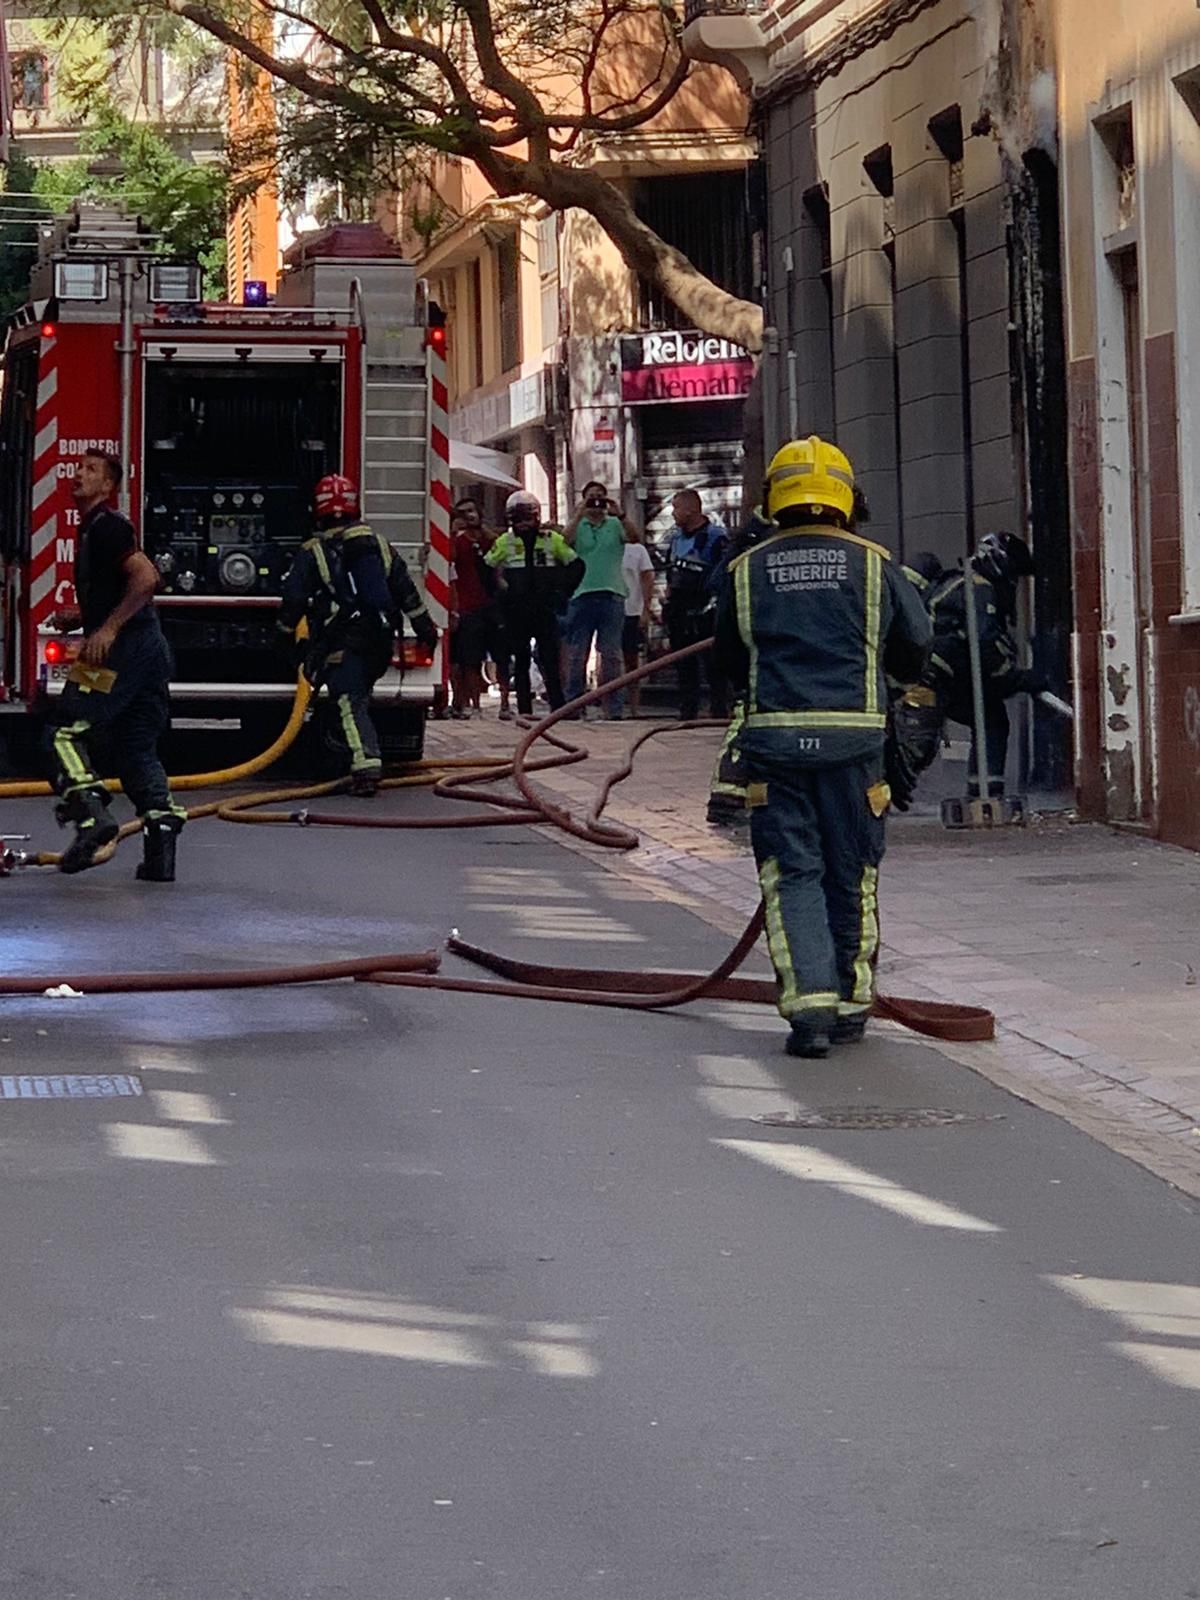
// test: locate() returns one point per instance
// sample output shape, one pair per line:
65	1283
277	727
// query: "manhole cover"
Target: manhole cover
69	1086
852	1119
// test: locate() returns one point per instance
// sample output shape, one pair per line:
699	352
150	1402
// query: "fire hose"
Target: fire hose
626	990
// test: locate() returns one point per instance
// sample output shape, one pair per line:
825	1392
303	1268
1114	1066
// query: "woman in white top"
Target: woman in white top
638	571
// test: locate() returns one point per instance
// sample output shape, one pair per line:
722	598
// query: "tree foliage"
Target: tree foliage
185	202
526	90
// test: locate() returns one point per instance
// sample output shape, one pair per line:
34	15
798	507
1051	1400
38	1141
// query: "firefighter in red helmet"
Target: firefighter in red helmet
354	591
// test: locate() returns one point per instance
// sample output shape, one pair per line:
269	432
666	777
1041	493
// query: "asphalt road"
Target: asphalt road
398	1296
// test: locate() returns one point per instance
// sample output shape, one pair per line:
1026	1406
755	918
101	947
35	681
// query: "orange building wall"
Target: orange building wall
252	232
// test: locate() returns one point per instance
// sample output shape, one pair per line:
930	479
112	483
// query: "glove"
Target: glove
1031	682
911	745
427	635
292	650
899	773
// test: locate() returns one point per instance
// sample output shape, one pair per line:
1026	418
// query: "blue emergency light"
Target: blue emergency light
254	292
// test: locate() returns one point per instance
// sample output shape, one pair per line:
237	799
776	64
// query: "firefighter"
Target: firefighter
351	587
532	563
727	791
810	618
999	564
117	688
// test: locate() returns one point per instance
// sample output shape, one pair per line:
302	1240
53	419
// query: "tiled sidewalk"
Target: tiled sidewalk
1084	942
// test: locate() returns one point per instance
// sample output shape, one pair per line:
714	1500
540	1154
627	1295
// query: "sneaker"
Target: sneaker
809	1040
849	1029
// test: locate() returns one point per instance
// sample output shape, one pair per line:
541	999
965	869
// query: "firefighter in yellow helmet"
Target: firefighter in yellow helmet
810	619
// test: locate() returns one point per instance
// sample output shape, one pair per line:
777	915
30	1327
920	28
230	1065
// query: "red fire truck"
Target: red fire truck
224	417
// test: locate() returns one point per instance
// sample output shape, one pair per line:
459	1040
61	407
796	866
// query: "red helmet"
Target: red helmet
336	496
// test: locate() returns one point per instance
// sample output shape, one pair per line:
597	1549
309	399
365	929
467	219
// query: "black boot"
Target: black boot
364	785
726	811
849	1029
809	1037
95	826
159	834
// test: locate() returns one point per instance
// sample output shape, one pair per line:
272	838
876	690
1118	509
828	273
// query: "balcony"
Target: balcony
697	10
729	32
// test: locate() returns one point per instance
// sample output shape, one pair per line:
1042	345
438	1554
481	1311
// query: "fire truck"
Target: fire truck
224	417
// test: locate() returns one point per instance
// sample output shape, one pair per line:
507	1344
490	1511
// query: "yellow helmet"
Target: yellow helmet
810	472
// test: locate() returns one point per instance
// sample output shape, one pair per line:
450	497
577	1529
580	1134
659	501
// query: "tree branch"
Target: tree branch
497	77
709	307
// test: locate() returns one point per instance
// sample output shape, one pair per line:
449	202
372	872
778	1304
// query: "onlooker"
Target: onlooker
638	571
598	533
530	561
693	563
475	617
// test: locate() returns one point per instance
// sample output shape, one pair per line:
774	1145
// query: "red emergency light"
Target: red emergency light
436	340
48	330
56	651
415	654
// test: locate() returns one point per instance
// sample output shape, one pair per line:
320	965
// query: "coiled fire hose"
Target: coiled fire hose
623	989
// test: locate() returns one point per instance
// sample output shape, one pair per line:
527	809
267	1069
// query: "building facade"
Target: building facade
1129	98
46	52
562	361
912	274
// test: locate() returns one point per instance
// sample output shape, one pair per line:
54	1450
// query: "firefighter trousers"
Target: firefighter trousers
960	708
818	836
350	676
727	791
122	706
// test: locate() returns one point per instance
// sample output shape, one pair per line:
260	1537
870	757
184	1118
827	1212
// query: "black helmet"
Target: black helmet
927	567
1003	557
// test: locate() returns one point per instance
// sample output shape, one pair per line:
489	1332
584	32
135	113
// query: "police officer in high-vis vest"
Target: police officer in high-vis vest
532	563
351	587
810	620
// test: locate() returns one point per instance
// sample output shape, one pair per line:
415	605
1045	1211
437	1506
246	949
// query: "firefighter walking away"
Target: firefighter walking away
116	691
810	620
353	590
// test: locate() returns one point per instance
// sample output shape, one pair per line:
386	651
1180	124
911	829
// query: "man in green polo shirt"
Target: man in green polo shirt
598	533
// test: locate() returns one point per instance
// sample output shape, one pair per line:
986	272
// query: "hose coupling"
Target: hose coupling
11	859
301	817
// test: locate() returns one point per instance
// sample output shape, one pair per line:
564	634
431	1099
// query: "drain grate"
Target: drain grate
858	1119
70	1086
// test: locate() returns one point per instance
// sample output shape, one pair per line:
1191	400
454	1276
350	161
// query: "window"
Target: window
548	278
705	215
946	130
31	82
509	275
878	167
1116	133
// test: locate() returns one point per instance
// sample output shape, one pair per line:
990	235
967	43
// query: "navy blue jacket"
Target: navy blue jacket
810	621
